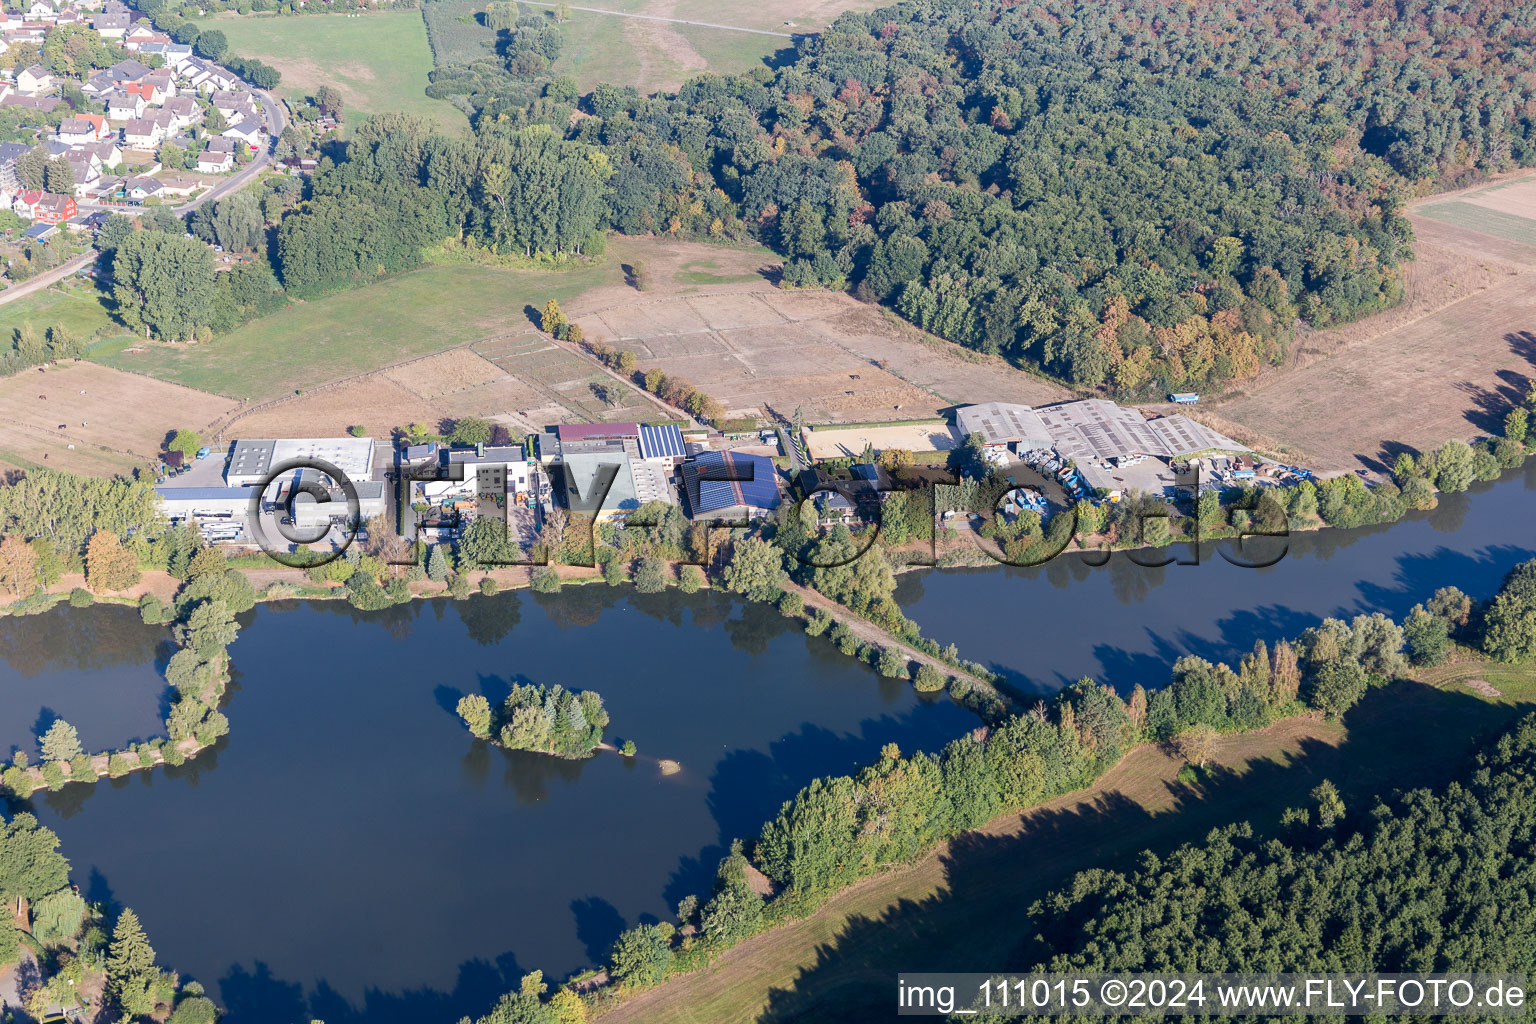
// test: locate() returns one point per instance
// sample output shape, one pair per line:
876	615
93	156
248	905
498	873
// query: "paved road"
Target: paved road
50	277
655	17
276	122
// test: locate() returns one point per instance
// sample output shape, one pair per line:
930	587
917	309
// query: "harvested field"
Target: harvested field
1446	363
916	437
761	351
525	382
115	420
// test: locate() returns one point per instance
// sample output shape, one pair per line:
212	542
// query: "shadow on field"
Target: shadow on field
1403	736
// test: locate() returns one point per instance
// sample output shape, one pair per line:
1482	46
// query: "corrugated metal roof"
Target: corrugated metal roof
204	493
587	431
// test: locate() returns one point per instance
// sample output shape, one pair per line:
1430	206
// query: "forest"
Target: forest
1425	881
1137	196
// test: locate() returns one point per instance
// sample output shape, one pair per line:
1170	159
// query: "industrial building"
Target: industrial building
730	485
251	460
217	496
1002	425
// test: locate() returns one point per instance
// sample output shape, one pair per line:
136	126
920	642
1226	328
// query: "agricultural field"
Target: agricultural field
649	55
764	352
354	332
93	419
379	62
1446	363
523	380
72	304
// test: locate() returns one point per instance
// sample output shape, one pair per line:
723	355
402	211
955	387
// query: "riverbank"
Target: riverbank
836	962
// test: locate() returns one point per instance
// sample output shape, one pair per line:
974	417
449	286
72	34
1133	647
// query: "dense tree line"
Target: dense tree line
1140	195
1363	890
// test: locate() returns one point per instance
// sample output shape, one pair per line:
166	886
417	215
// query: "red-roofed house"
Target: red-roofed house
151	94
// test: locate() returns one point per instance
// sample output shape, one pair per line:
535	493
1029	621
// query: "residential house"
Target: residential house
45	104
143	87
142	33
184	111
10	152
82	128
164	82
252	133
54	209
207	76
85	170
105	153
142	188
125	106
129	70
34	80
25	199
99	84
40	11
142	133
226	102
176	55
178	185
112	26
218	157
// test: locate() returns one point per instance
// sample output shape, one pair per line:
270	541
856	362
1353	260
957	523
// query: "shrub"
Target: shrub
53	774
928	680
488	586
17	782
819	622
121	764
893	664
546	580
691	579
81	598
791	604
627	748
81	769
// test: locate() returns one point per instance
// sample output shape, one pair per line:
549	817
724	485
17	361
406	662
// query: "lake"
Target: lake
350	853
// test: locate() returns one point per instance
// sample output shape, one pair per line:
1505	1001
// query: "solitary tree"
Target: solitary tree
18	565
552	317
61	742
328	99
185	441
108	565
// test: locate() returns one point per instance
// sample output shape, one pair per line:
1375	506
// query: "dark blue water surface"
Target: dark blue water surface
1123	623
349	853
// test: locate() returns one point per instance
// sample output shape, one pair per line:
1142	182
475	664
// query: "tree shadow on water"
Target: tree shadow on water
259	997
977	919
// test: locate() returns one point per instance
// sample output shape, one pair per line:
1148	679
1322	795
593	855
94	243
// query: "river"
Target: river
349	853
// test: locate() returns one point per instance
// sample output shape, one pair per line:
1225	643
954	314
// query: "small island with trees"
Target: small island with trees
546	719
